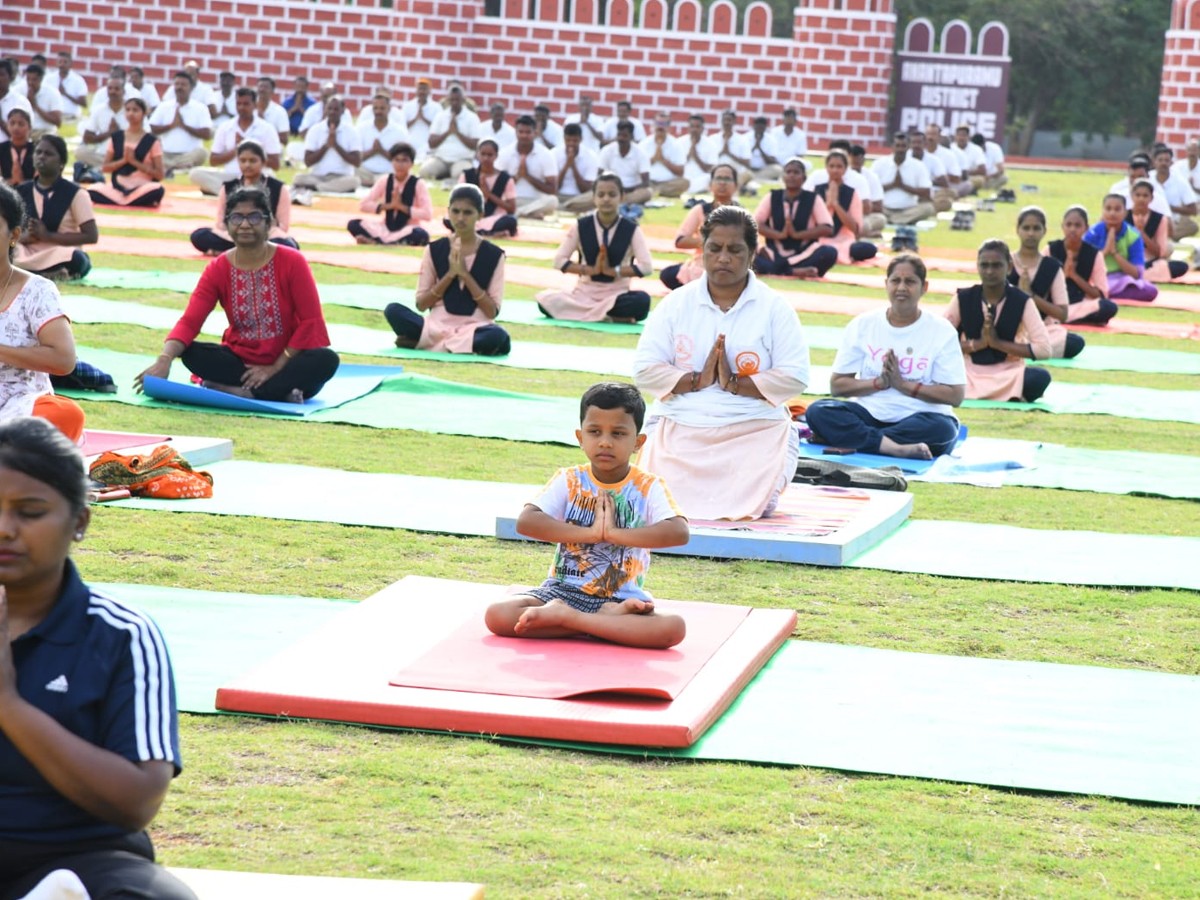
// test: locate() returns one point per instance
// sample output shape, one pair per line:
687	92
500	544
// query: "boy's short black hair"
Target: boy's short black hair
614	395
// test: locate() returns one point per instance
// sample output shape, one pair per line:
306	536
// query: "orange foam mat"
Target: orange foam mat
342	673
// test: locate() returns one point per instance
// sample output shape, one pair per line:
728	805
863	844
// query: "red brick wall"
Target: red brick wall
1179	96
835	72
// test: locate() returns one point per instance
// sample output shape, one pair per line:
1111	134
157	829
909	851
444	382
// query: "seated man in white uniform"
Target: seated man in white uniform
624	114
949	160
533	170
723	144
666	159
1139	170
201	92
874	219
147	91
758	148
332	153
182	125
452	139
626	160
790	140
578	167
45	102
496	128
419	113
271	111
72	89
225	98
376	136
940	194
546	131
245	126
592	125
698	157
1179	193
906	185
105	118
993	161
970	158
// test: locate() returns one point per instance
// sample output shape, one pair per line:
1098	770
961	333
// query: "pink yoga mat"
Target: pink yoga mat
809	511
473	659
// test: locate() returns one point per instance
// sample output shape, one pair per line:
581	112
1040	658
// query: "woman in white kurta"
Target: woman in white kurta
606	251
460	286
722	356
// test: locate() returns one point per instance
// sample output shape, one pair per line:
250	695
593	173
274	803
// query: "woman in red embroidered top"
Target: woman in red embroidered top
276	346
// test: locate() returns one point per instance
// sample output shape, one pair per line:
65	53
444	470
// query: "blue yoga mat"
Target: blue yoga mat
350	383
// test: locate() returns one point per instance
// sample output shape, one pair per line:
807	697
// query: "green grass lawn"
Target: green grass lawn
313	798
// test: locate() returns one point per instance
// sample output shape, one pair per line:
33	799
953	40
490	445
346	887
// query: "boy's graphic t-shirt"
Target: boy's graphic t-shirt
604	569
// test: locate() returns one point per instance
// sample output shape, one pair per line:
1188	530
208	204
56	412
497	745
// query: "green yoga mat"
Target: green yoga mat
1034	726
213	636
413	402
362	341
1005	553
1026	725
1150	404
1112	471
1094	357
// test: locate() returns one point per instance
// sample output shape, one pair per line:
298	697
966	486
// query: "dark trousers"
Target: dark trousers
1075	344
504	226
842	423
488	340
629	305
306	372
1107	310
670	276
120	868
75	268
418	237
820	258
1036	381
208	241
862	250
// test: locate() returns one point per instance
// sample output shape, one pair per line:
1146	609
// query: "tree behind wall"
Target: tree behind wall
1093	66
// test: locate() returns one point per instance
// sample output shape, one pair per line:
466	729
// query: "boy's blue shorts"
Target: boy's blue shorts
574	598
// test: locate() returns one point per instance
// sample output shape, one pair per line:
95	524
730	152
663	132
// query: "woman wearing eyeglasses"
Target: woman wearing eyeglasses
276	346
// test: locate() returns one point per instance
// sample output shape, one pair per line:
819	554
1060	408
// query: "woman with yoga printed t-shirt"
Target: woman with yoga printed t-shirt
460	285
276	346
404	201
89	730
722	356
606	251
792	221
902	372
724	188
999	327
59	217
1083	268
1043	279
499	192
133	162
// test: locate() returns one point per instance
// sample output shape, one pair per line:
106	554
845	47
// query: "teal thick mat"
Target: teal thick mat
1033	726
